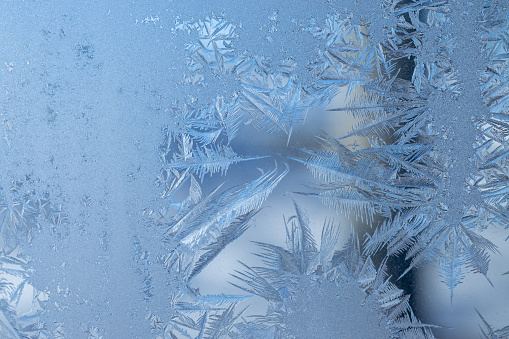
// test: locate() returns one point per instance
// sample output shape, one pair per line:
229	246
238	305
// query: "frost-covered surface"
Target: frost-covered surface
322	293
146	145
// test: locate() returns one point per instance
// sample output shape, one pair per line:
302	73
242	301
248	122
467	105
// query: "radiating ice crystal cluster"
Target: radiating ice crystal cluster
435	193
415	173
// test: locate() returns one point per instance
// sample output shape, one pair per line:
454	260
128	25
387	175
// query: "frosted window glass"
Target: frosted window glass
227	169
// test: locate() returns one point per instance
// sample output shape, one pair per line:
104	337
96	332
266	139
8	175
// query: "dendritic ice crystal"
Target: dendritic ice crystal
151	151
318	291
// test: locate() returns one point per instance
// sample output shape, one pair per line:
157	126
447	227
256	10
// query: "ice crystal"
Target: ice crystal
268	92
489	333
316	292
201	219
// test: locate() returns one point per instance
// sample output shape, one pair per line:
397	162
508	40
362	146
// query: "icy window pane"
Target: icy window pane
190	169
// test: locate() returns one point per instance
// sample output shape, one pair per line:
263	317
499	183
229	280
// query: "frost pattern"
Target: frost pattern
300	280
22	214
269	92
491	146
414	172
200	229
434	194
489	333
